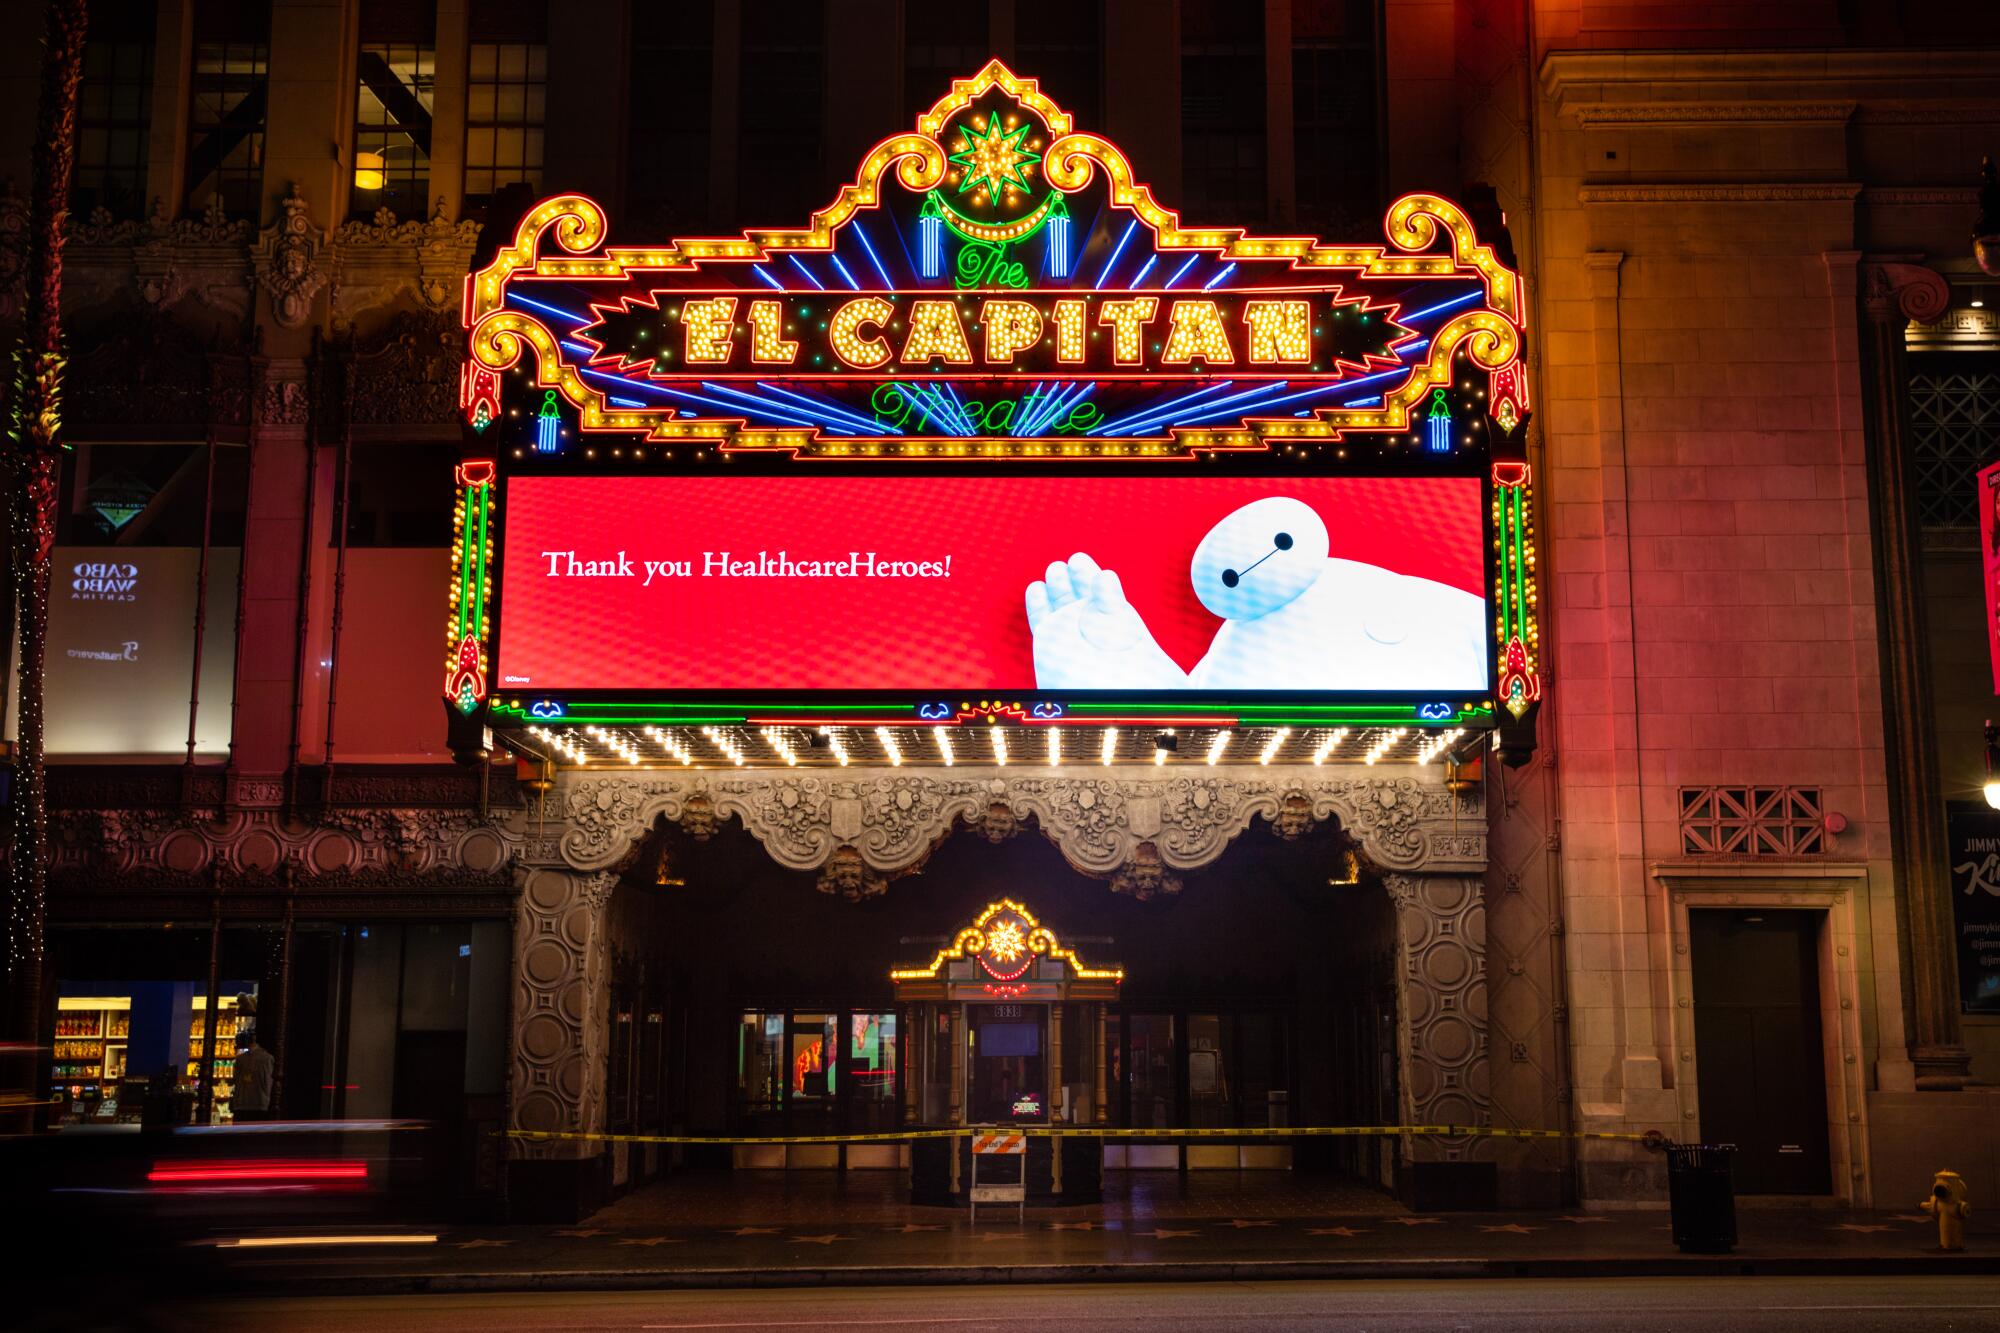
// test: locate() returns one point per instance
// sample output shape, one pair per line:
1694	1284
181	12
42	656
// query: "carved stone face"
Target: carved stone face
1294	818
999	823
1145	875
847	875
698	817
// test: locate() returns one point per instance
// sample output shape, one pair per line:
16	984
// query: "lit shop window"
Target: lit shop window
506	101
227	107
392	128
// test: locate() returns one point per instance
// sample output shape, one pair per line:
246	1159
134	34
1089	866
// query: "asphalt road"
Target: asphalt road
1644	1305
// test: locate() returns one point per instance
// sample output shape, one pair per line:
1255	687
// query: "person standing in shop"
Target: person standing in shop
251	1098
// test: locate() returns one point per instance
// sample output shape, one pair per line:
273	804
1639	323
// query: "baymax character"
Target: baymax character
1294	618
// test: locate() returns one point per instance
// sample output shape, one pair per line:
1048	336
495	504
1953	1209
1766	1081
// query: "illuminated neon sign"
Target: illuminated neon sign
998	283
993	297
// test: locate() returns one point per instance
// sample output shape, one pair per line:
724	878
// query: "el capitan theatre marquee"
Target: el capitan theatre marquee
995	434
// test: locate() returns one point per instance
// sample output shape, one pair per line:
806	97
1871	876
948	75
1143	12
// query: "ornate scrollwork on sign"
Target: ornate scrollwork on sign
894	818
287	262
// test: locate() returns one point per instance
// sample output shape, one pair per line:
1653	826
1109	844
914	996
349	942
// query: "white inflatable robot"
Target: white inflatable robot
1293	619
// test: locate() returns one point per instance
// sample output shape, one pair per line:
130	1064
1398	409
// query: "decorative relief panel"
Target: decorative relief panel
1441	993
1119	828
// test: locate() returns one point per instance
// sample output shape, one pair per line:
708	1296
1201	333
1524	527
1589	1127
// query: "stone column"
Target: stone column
1441	999
560	1036
1894	294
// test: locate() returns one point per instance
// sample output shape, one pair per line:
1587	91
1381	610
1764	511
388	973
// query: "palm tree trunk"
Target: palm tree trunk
33	445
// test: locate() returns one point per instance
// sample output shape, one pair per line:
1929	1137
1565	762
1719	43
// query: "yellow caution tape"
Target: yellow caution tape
1090	1132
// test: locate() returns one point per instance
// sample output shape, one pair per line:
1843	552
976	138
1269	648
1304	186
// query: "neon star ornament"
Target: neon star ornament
1005	941
992	159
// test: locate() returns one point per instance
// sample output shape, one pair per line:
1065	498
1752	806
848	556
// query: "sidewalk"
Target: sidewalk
676	1235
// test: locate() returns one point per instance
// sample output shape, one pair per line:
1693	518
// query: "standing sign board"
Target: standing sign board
1975	907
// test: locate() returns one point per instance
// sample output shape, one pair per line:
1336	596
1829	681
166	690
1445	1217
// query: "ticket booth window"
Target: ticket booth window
1007	1071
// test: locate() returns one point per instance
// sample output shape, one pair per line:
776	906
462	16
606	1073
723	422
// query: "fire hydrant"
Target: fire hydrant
1949	1206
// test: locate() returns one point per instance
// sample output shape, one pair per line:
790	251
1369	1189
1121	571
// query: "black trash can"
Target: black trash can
1703	1197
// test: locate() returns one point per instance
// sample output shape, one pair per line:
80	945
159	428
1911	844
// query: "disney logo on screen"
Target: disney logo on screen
104	581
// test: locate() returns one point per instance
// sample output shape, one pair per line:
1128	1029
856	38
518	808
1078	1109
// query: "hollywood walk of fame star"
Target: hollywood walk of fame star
649	1240
827	1239
1076	1226
1515	1227
1162	1233
1581	1220
1239	1223
1416	1221
754	1231
1335	1231
908	1227
583	1232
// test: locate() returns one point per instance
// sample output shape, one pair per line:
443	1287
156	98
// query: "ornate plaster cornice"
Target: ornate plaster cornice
169	849
1663	115
1719	192
1135	828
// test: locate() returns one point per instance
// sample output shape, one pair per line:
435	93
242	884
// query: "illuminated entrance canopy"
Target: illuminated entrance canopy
995	433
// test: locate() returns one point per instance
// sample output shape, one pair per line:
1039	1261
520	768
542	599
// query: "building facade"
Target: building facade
1714	901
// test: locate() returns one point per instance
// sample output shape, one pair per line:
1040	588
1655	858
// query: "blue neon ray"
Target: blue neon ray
1144	269
844	273
1218	277
869	246
1442	305
808	272
759	270
766	405
1165	407
1024	420
831	408
1043	411
958	406
1243	396
935	407
1116	251
553	310
1179	272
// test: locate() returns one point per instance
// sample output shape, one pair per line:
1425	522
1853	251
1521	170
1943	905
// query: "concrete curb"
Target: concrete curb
667	1279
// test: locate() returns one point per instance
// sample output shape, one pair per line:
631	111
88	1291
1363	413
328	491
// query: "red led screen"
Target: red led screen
965	584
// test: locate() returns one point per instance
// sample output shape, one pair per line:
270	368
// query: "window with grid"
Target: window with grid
1752	821
1334	136
506	99
113	108
667	144
942	42
396	74
1954	432
1060	43
1223	167
783	99
227	105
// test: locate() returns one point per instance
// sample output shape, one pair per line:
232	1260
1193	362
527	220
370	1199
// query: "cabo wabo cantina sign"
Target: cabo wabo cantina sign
996	431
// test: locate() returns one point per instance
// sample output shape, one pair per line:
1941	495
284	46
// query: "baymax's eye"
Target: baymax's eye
1230	578
1283	541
